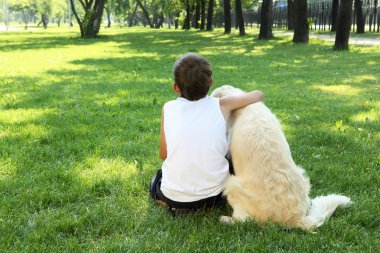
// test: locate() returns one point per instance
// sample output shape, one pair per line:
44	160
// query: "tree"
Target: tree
203	14
108	13
58	10
28	9
210	13
45	8
157	7
301	26
186	23
227	16
360	22
266	20
343	25
197	14
290	14
145	13
89	23
132	16
376	16
334	14
239	17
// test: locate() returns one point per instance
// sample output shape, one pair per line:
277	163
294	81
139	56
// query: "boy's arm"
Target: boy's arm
233	102
163	151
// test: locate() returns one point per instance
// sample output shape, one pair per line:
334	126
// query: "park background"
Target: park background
80	120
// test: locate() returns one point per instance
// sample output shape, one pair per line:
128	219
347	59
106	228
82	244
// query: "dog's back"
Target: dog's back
268	185
262	158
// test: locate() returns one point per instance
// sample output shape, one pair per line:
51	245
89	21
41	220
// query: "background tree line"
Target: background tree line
36	11
198	14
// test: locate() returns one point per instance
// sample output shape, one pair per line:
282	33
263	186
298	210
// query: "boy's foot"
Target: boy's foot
161	203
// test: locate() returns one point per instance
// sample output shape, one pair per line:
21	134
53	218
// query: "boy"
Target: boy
193	142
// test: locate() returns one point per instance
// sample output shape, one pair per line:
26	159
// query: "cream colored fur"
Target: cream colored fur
268	185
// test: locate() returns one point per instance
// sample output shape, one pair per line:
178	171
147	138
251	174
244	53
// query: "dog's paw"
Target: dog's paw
227	219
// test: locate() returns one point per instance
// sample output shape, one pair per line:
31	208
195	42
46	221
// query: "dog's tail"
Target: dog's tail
322	208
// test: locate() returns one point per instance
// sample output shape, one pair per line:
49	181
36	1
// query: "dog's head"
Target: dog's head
225	90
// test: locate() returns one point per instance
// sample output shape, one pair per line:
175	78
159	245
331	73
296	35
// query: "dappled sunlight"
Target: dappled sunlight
115	99
371	115
153	56
96	168
340	89
167	41
7	168
14	117
29	133
371	63
362	79
226	67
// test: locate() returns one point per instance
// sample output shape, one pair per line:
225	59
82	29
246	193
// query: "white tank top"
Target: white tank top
195	133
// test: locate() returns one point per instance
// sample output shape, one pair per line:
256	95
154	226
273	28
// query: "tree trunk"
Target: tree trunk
334	14
203	14
176	20
301	26
239	15
92	19
290	14
44	20
227	16
360	22
77	18
197	15
343	25
145	13
90	25
210	14
375	16
192	15
266	20
108	16
186	23
132	18
160	21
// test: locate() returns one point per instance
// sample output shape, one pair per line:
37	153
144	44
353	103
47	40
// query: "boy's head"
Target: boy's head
192	75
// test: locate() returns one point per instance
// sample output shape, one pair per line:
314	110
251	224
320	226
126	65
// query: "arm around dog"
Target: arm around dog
233	102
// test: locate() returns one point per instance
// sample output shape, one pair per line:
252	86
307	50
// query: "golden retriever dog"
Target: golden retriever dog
267	184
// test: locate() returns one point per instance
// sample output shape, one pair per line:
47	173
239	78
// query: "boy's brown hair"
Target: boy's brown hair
192	74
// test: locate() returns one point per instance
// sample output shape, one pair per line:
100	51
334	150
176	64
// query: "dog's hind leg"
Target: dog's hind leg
238	215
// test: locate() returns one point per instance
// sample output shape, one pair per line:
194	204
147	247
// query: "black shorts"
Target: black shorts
156	194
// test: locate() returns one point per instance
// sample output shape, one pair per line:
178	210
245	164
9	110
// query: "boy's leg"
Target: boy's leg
179	208
153	184
154	188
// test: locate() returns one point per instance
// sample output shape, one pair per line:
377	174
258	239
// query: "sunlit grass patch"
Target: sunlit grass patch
340	89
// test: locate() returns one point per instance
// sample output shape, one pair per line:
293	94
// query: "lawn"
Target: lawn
79	138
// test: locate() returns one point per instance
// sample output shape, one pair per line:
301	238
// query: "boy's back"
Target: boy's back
195	133
193	142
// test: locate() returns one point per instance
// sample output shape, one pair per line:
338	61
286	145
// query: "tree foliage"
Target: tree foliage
27	8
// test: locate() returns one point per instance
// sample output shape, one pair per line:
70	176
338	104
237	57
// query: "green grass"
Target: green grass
79	138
